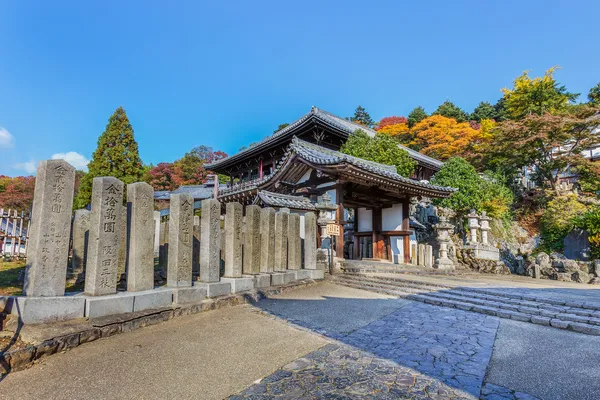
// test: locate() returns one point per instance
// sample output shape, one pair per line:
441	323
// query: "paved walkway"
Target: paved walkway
323	342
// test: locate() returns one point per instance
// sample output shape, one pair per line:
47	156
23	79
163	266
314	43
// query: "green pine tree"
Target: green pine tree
362	117
484	111
116	155
415	116
450	110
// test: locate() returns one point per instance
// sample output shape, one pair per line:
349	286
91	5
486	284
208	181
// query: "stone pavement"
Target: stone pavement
323	342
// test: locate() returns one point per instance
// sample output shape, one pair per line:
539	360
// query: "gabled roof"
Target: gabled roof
272	199
343	126
301	156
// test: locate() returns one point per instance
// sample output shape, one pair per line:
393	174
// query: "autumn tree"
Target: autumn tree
362	117
190	169
594	95
552	144
381	148
387	121
116	155
449	110
484	110
415	116
16	193
441	137
538	96
162	177
398	131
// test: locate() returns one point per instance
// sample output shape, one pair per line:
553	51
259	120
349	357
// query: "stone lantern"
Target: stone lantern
443	229
325	209
473	226
484	225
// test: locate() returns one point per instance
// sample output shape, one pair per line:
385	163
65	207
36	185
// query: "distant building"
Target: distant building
198	193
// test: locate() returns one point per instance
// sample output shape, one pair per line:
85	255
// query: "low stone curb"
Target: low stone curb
97	328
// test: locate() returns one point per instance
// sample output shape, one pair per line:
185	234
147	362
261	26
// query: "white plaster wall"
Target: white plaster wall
391	218
397	243
365	220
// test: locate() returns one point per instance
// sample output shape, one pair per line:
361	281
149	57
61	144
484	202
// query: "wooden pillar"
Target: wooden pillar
406	227
260	169
378	239
339	219
356	238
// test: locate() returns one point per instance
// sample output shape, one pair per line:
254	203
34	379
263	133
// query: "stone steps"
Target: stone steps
485	301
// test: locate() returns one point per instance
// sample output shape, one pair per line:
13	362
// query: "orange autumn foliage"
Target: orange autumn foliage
442	138
400	131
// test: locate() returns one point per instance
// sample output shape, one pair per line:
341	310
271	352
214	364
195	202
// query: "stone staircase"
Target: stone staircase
382	267
583	317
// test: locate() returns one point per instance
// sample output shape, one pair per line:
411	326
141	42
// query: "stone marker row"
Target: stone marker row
262	242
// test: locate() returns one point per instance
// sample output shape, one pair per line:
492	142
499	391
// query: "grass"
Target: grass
9	277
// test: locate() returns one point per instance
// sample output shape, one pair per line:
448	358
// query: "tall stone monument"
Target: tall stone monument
233	239
106	222
281	239
310	240
294	242
267	240
181	225
156	216
81	228
48	245
252	241
140	237
210	246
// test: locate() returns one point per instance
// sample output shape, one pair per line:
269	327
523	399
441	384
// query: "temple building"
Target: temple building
297	165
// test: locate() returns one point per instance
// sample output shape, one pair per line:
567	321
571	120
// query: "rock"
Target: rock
580	277
565	265
595	281
543	260
562	276
467	258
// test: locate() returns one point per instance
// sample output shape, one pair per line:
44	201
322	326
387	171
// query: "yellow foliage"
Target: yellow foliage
398	131
441	137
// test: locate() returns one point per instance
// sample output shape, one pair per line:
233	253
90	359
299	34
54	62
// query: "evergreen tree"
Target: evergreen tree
116	155
449	110
594	95
500	109
362	117
483	111
415	116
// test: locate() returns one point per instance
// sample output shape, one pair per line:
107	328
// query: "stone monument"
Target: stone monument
181	225
140	237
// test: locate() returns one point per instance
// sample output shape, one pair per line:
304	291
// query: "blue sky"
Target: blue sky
224	74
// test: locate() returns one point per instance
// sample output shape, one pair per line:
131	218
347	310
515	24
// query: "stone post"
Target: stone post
181	225
281	239
81	228
156	216
444	229
267	240
294	242
163	250
196	249
484	225
252	241
48	245
122	260
210	246
310	241
106	229
421	255
473	226
428	256
233	240
140	237
413	254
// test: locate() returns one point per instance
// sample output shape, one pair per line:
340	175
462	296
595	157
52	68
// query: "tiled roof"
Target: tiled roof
198	192
345	126
318	155
283	200
162	195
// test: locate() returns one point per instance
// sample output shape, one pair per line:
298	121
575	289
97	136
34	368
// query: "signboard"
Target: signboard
333	230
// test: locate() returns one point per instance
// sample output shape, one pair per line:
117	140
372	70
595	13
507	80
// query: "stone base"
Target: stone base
262	281
240	284
309	274
444	264
215	289
37	310
282	278
155	298
484	252
189	295
100	306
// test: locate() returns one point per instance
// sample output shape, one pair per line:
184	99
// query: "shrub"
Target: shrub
559	219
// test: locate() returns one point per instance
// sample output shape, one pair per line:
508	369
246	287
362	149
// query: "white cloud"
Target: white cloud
29	167
75	159
7	141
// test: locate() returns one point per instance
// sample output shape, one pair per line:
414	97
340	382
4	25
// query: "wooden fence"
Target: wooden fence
14	233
